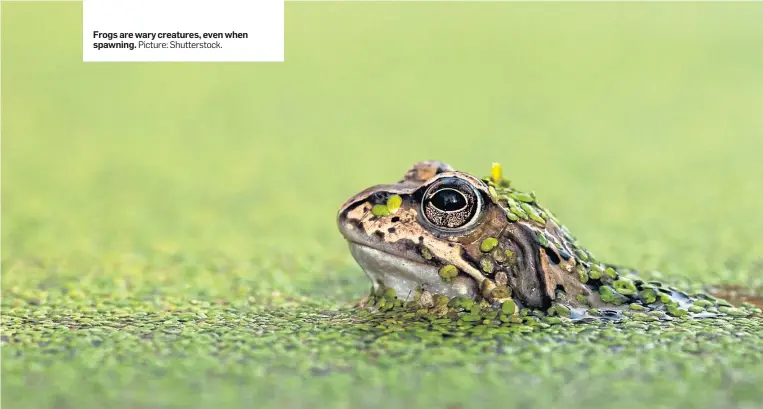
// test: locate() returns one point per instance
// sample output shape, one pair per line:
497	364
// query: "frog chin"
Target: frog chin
407	276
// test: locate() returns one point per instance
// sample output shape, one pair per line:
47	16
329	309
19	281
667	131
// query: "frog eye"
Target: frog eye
451	204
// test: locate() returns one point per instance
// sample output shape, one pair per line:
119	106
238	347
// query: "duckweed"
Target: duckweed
596	272
582	274
518	212
637	307
493	194
702	303
448	272
675	311
380	210
487	265
648	295
531	213
393	203
736	312
508	307
389	293
625	286
542	239
696	309
488	244
560	310
425	252
525	197
609	295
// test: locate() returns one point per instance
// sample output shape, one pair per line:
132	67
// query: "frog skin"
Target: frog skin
448	233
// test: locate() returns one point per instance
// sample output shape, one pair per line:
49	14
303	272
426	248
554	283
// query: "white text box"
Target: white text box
183	30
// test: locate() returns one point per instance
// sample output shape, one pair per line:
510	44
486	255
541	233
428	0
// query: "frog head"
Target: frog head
436	230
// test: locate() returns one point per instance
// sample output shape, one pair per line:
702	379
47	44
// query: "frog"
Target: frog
440	232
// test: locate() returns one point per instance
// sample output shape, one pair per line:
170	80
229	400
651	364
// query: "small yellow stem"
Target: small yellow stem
496	173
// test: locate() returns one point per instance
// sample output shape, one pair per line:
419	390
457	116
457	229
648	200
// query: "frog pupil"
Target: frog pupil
449	200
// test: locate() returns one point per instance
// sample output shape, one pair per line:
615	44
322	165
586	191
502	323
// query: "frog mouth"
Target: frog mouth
386	254
399	266
371	244
406	276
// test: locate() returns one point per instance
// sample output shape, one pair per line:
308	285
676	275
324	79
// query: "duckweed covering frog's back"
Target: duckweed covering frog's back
446	242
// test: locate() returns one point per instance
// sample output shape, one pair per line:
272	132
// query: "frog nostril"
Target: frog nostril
354	223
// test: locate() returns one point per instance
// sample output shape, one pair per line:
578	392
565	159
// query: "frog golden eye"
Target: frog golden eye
451	204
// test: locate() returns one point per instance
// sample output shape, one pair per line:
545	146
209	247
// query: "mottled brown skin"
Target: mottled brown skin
542	275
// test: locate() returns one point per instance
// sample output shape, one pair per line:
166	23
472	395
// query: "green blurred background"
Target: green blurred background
148	186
